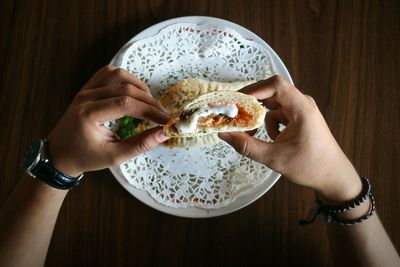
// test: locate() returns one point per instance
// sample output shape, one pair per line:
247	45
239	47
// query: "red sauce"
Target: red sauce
242	119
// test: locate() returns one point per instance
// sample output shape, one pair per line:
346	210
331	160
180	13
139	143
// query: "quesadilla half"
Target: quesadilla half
219	111
185	91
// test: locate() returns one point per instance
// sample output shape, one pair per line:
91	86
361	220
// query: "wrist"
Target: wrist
64	167
357	212
352	212
339	188
60	162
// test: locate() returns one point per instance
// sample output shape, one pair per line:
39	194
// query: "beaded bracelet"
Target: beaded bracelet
329	212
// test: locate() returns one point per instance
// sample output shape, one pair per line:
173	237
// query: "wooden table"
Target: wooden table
343	53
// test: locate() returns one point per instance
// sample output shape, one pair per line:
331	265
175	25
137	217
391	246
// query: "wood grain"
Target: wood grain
343	53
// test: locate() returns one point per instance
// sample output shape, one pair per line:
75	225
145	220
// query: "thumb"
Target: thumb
141	143
248	146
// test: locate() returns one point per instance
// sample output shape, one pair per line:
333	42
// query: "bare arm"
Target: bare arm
27	221
78	143
364	244
307	154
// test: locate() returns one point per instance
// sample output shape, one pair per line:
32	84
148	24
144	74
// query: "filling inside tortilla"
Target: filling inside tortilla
212	116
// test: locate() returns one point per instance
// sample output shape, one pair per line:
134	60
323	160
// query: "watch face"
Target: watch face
31	154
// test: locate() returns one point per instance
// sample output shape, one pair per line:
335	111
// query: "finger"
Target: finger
267	97
252	132
117	107
123	90
271	103
261	89
120	76
277	88
139	144
247	145
272	121
98	74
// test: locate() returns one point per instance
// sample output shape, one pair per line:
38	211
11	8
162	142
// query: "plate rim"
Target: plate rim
244	199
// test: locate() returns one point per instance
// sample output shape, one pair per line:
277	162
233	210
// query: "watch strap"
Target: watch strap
53	177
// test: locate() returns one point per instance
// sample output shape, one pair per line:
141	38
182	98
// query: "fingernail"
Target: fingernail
225	136
165	116
163	109
161	137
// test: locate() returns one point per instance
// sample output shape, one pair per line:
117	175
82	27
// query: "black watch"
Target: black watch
36	163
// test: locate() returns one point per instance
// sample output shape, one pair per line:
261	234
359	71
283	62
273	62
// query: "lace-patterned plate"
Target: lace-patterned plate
208	180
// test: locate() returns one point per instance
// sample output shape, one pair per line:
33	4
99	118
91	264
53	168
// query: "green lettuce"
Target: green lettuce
127	127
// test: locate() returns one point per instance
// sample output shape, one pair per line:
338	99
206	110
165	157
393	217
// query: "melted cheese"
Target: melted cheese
189	126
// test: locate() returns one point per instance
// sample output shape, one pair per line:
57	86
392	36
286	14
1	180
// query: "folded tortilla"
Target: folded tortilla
219	111
185	91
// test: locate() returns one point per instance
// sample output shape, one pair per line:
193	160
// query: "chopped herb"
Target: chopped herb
127	127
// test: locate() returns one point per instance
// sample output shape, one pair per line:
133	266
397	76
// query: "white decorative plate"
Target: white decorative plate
210	180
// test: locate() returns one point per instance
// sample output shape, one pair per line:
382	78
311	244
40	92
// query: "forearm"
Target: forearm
363	244
306	152
27	221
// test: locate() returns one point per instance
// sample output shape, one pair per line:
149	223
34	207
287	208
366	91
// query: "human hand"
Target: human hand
305	151
81	143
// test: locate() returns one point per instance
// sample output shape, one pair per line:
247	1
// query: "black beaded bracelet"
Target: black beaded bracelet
329	212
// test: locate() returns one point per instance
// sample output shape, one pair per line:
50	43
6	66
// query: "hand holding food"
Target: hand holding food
305	151
81	143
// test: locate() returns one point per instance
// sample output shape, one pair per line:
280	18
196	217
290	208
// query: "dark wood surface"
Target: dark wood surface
344	53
